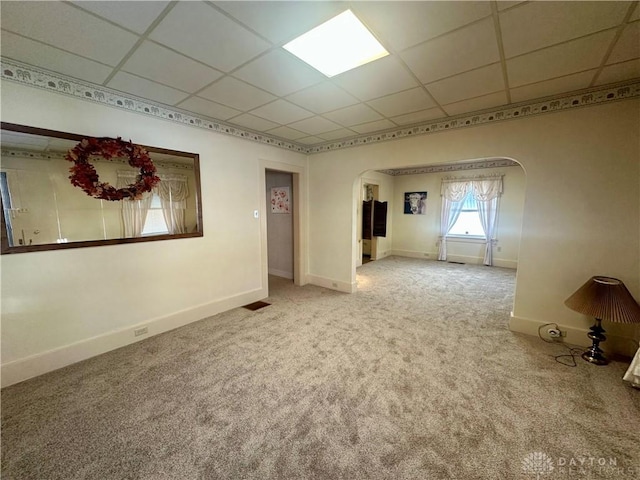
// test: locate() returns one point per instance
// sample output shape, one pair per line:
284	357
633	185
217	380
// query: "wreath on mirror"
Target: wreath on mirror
85	176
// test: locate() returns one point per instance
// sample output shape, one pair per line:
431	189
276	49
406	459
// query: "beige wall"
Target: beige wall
417	235
581	213
62	306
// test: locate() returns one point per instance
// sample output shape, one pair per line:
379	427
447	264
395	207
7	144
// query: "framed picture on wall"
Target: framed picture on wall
280	200
415	203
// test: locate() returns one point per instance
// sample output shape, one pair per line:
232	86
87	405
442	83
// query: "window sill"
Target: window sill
466	239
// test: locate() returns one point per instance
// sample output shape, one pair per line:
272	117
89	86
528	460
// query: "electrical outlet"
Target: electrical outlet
554	333
334	285
140	331
499	249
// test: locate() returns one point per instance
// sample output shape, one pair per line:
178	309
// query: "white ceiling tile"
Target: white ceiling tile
208	108
619	72
282	112
564	59
410	23
125	82
68	28
402	102
374	126
310	140
555	86
353	115
475	104
201	32
134	15
628	45
537	25
336	134
29	51
417	117
315	125
322	98
237	94
465	49
468	85
279	73
376	79
254	123
282	21
286	132
160	64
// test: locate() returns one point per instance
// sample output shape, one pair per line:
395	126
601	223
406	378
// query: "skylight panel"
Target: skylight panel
338	45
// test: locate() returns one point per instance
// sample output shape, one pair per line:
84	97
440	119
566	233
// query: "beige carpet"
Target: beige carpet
416	376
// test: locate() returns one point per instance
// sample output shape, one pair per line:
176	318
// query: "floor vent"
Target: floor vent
256	305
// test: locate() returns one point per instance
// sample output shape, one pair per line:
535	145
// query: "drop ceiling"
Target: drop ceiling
224	60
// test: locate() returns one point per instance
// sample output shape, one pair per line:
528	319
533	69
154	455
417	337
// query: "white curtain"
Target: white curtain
486	192
134	212
453	193
173	193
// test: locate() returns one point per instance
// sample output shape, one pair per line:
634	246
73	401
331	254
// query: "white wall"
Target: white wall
63	306
581	214
417	235
279	228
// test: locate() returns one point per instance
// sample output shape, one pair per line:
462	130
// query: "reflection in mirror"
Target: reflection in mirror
42	210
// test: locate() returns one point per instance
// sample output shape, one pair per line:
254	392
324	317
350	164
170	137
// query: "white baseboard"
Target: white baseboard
29	367
332	284
617	344
414	254
497	262
281	273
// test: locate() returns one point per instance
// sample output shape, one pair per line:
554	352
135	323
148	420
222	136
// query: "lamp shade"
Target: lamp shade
605	298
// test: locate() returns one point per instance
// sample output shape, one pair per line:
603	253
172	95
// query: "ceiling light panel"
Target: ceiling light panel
340	44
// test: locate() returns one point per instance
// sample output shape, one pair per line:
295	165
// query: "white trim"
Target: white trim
332	284
281	273
29	367
414	254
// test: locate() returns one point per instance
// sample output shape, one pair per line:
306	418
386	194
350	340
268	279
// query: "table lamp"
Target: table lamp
604	298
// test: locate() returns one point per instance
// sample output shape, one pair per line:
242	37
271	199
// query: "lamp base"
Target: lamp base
597	358
594	353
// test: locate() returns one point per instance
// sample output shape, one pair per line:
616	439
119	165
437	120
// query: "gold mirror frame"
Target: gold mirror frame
8	248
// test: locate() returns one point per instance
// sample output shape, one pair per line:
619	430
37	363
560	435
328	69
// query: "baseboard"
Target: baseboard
615	344
281	273
497	262
414	254
332	284
25	368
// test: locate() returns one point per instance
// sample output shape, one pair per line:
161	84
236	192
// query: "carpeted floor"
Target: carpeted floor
415	376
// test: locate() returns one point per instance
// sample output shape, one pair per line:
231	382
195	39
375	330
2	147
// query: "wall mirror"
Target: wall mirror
42	210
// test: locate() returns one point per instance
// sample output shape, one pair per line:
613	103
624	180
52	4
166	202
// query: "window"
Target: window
468	223
155	223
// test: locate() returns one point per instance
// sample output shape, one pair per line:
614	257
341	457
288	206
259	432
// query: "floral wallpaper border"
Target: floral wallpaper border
452	167
40	78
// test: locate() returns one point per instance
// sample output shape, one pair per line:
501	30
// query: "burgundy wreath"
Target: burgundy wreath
84	175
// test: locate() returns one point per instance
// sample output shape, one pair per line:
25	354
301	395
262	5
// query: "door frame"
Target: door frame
299	206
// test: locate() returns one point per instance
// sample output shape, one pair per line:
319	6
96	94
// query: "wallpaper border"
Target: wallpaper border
39	78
